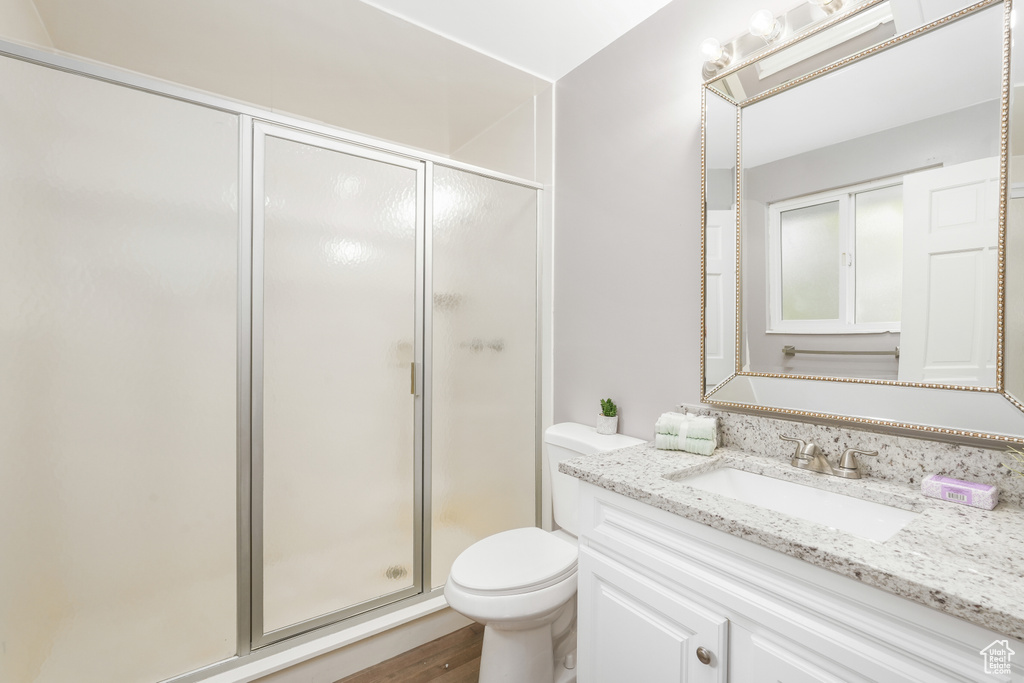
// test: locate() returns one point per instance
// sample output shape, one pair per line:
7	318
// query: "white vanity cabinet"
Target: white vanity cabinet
644	630
654	587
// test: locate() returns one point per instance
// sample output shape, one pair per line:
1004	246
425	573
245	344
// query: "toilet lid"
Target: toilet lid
515	561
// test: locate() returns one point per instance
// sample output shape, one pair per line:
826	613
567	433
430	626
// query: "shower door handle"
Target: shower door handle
412	378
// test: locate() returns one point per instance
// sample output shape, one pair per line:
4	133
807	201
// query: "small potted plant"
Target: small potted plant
608	420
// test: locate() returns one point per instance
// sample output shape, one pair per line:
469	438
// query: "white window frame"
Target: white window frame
845	323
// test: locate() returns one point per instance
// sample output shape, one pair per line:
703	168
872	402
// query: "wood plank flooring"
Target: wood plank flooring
454	658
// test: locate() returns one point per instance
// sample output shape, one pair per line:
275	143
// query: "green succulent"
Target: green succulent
608	408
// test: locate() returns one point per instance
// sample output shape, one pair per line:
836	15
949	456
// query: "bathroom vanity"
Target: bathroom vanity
679	583
740	567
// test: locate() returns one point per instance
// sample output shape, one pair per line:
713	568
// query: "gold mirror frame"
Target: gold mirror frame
943	432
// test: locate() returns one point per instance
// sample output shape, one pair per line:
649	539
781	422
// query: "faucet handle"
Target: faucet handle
800	444
804	450
849	466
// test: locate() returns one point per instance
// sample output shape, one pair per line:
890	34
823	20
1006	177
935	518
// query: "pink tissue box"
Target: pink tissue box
976	495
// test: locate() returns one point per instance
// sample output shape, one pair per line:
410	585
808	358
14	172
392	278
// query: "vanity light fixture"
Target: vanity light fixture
711	49
828	6
715	55
855	26
764	25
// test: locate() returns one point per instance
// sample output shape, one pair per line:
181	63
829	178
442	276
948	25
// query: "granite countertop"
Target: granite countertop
961	560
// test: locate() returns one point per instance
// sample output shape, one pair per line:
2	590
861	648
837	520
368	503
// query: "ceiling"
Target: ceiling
546	38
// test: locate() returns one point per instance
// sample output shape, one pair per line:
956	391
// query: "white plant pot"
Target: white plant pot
607	425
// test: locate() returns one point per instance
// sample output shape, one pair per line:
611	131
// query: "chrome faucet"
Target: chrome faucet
808	456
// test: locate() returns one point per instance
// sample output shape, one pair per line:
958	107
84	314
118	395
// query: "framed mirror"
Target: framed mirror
864	203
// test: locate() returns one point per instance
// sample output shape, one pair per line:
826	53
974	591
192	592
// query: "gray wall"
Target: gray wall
627	268
953	138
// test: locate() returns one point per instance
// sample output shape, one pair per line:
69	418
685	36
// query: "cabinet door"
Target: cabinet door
632	628
768	657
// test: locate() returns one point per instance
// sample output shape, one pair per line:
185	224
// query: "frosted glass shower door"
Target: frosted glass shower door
118	353
484	355
336	241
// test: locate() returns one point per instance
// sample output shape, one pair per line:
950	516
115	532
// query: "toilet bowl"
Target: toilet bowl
521	584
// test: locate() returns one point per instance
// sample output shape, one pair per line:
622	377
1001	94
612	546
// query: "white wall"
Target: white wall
19	20
627	217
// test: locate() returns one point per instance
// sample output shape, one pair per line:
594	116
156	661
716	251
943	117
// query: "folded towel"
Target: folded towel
673	423
700	446
688	426
668	442
701	427
673	442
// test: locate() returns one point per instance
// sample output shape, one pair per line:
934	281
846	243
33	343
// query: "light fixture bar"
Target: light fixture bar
856	25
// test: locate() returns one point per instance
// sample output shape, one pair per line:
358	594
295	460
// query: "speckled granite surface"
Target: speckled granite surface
963	561
900	459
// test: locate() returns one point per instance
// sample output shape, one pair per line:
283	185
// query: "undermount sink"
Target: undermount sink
873	521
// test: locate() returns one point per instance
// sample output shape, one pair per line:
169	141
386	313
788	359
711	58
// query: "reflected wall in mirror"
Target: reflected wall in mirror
1013	359
869	243
719	240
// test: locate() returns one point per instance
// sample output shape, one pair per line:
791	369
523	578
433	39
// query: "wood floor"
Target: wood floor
454	658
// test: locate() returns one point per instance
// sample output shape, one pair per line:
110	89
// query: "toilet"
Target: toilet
521	584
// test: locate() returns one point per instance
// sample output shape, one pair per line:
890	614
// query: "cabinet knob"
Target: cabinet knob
704	655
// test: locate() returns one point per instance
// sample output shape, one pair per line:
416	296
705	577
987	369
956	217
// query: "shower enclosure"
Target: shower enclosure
256	376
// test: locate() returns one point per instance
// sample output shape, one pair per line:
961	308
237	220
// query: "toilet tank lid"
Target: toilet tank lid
585	440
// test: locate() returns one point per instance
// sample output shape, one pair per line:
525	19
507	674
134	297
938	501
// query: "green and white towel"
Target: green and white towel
684	432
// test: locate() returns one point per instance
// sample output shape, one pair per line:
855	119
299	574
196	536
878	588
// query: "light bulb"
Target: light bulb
763	25
711	50
828	6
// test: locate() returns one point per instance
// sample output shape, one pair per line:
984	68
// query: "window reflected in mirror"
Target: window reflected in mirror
809	270
877	255
836	261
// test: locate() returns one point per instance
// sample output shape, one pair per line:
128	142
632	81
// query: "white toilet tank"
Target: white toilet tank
569	440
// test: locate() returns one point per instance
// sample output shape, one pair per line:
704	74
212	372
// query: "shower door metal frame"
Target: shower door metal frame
261	130
249	116
426	377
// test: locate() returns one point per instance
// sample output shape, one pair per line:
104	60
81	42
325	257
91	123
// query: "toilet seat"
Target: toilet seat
521	584
515	562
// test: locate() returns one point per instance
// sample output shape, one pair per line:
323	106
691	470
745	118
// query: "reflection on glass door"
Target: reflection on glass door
484	355
339	227
118	289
